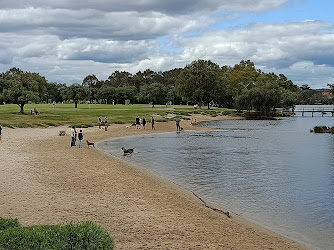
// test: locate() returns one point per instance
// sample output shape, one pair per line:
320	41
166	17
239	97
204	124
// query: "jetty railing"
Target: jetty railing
323	111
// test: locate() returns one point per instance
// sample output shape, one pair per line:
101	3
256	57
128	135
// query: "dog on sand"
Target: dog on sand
90	143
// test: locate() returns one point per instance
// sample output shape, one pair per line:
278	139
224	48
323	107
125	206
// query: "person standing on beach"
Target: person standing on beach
0	133
73	132
100	122
144	122
80	137
178	127
137	122
152	122
106	123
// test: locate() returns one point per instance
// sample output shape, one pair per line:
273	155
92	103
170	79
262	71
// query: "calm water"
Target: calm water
274	173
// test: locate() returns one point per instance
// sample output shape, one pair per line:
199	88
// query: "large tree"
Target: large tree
76	93
107	93
54	90
22	87
199	82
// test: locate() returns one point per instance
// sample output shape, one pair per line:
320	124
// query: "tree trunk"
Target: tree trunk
76	104
21	108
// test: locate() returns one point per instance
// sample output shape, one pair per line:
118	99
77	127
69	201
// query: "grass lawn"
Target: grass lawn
86	115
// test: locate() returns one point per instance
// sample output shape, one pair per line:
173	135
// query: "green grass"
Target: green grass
87	115
8	223
85	235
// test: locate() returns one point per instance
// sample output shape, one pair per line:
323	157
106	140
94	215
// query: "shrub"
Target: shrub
229	112
9	223
86	235
331	130
320	129
182	113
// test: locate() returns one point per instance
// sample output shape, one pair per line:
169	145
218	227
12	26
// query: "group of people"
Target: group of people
34	111
106	124
140	122
74	136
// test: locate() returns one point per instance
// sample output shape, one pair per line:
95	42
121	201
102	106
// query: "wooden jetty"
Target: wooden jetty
323	111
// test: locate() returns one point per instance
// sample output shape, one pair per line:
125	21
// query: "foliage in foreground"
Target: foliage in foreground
8	223
85	235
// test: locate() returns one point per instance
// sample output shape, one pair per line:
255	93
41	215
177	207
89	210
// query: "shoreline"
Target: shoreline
44	181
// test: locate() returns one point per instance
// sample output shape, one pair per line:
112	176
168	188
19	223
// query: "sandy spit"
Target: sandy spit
45	181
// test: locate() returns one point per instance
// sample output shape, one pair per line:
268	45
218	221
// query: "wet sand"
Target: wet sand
45	181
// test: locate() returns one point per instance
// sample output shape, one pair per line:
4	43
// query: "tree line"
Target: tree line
201	82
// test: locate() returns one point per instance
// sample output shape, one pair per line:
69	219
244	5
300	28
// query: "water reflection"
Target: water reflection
275	173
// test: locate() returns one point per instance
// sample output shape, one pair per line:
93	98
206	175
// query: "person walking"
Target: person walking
80	137
152	122
178	127
73	132
100	122
106	123
0	133
144	122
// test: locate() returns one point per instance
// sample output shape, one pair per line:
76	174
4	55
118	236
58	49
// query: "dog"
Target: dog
62	133
127	151
90	143
132	125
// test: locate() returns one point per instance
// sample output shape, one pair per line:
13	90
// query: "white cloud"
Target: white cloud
67	40
171	7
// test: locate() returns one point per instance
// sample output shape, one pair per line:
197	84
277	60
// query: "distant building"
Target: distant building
325	92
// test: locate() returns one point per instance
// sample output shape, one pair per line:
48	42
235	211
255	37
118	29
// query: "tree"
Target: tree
91	81
119	79
76	93
199	81
126	93
262	99
107	93
22	87
242	76
157	94
54	90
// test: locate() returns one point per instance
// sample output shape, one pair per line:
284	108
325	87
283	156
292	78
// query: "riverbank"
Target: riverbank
44	181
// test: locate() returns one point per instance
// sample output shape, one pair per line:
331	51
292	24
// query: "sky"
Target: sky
67	40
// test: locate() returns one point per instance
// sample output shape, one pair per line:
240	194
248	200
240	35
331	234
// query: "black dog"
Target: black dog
90	143
127	151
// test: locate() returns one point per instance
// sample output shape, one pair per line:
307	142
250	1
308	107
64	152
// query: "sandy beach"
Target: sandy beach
45	181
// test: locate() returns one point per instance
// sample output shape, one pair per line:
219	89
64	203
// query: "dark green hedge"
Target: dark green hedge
86	235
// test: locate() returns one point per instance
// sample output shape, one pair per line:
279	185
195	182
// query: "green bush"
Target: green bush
331	130
182	113
320	129
8	223
229	112
86	235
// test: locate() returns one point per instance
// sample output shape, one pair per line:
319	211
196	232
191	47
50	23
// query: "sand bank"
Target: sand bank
45	181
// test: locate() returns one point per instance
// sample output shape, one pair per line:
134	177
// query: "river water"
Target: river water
274	173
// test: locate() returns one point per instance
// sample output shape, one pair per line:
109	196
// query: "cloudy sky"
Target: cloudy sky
67	40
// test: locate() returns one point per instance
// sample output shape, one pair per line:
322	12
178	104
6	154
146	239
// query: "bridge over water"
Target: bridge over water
322	111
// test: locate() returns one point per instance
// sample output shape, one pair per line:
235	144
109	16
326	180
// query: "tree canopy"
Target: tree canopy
202	82
21	87
199	82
